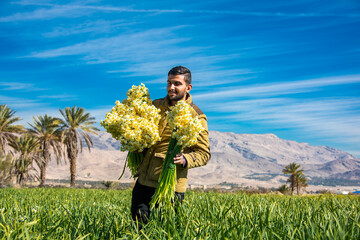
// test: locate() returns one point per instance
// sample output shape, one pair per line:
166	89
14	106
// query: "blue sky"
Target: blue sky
285	67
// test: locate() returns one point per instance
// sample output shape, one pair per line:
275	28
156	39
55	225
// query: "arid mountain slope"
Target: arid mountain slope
235	157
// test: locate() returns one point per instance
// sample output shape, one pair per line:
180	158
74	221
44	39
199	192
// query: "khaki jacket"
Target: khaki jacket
196	156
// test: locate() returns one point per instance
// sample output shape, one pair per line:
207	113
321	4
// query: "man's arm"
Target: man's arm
200	154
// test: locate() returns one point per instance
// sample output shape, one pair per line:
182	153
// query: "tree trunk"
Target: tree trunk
72	155
43	174
298	189
72	171
46	159
292	184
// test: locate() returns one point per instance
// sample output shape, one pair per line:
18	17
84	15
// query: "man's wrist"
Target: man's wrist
185	162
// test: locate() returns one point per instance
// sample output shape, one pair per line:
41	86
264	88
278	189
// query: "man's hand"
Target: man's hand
180	159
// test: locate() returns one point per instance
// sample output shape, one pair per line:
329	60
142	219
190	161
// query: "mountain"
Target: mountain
236	158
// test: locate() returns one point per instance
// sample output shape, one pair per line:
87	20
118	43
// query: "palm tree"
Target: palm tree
46	130
295	173
283	189
75	126
7	129
301	182
27	148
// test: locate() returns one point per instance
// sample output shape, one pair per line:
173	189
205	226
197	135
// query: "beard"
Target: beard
177	97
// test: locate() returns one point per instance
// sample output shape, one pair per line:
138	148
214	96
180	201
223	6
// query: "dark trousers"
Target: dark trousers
141	197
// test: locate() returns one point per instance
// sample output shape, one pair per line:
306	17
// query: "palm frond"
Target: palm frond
87	139
7	128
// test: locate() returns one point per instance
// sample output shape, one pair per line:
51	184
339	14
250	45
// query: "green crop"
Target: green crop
45	213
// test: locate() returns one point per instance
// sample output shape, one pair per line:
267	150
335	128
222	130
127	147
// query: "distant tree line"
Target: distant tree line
333	181
47	137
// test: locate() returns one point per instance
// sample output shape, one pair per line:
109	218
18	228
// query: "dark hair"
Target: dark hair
180	70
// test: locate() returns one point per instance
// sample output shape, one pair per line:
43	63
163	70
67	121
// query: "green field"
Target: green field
44	213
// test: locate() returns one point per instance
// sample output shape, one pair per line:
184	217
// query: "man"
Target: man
178	88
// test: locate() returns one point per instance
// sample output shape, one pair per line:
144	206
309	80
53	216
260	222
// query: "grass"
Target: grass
45	213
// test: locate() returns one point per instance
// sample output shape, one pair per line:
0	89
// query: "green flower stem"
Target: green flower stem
165	192
133	160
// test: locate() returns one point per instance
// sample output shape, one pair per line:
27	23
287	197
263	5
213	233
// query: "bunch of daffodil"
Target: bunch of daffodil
134	122
185	131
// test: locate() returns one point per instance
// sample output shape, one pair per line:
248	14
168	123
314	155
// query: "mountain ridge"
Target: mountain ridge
235	158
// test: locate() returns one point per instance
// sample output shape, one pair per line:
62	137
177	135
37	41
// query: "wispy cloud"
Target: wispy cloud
214	77
52	11
329	118
64	11
97	27
281	14
276	89
19	103
76	10
125	47
61	97
11	86
268	105
199	61
131	47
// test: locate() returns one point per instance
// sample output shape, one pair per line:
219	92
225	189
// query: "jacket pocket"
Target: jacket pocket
181	172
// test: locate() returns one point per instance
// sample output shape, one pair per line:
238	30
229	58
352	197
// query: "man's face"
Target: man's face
177	88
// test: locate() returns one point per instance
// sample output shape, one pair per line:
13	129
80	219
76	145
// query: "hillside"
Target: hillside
236	158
